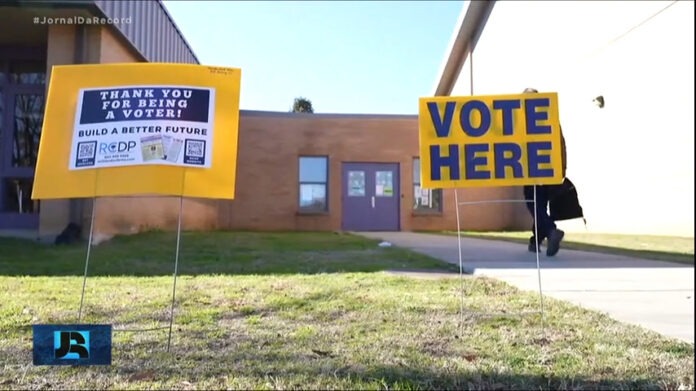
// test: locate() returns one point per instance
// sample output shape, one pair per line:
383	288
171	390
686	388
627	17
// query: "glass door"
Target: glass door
22	103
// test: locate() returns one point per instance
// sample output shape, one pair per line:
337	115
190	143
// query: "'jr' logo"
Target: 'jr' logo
71	345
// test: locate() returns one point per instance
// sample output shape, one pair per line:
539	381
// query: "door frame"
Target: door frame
397	188
9	91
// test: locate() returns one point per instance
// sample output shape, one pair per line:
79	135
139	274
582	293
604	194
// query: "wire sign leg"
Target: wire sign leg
461	262
89	251
536	238
176	271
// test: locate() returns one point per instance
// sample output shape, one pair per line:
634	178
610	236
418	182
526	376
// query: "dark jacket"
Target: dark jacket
563	157
563	154
563	201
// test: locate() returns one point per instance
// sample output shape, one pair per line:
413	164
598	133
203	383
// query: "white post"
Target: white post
461	262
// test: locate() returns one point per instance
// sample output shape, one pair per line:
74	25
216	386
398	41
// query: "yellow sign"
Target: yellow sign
485	141
139	128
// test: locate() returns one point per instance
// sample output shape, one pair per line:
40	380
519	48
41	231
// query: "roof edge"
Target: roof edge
283	114
97	8
176	27
100	8
471	23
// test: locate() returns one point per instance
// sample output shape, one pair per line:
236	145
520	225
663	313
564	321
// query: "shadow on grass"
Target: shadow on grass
217	252
309	370
409	378
322	368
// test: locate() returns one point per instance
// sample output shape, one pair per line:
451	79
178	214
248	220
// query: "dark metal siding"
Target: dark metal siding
152	32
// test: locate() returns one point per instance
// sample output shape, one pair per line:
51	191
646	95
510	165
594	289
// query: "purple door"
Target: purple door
370	196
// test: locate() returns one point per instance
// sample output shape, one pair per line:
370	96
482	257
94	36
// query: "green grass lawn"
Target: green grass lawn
152	254
661	248
310	311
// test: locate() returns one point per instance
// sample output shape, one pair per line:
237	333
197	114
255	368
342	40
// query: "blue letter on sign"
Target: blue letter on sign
507	106
501	161
437	162
534	159
472	161
442	124
465	118
530	106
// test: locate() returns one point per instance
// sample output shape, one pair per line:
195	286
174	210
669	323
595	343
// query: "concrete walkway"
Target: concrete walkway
656	295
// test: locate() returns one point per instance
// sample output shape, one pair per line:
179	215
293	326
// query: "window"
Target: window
22	95
356	183
425	200
29	110
313	183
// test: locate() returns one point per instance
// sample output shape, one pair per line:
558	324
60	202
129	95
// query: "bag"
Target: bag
564	203
71	234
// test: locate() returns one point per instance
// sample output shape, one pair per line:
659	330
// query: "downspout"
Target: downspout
470	30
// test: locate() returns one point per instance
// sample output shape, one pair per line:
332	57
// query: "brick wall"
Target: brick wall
267	184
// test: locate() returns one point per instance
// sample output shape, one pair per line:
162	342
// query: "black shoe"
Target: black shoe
554	242
532	245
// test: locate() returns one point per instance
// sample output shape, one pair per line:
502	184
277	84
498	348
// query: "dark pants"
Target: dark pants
546	224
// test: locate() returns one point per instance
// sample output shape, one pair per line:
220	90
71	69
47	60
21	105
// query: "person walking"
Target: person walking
547	229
